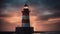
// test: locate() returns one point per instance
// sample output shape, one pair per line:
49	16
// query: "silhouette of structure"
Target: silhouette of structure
25	28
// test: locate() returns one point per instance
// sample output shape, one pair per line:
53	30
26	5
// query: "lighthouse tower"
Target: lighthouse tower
25	27
25	16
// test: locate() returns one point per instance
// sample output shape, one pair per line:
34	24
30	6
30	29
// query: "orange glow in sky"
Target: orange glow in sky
41	25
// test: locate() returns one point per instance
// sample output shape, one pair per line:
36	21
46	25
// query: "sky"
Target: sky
44	14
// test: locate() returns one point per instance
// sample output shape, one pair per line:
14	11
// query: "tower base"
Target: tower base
24	30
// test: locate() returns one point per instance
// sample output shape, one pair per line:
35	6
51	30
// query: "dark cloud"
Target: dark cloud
46	17
14	3
40	6
44	5
5	16
55	4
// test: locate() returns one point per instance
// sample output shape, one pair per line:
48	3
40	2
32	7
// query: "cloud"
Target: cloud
42	6
45	13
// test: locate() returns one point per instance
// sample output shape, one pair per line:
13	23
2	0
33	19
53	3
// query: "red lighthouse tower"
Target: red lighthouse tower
25	27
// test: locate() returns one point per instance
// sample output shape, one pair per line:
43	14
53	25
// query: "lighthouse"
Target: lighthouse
25	27
25	16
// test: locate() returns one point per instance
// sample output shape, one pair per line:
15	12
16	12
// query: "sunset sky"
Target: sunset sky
44	14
